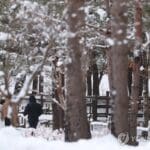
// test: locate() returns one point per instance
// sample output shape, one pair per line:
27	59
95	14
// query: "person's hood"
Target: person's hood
32	99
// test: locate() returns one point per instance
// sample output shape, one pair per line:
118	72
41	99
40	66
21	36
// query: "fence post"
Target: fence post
41	100
94	108
107	103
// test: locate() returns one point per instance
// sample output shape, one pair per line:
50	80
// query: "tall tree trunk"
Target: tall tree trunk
108	50
95	89
95	80
134	104
15	120
119	53
130	69
76	123
136	72
58	115
5	108
145	94
58	112
13	116
89	84
109	59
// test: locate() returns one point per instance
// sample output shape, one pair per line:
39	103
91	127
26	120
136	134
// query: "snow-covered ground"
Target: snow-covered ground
16	139
46	139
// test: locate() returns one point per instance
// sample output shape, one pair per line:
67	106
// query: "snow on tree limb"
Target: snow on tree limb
28	80
148	40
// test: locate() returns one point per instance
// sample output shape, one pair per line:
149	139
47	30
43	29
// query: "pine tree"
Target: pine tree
76	124
119	53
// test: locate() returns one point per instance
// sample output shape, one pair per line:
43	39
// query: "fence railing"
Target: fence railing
98	107
101	107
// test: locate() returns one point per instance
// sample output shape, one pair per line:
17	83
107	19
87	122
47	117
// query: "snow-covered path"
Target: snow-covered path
12	139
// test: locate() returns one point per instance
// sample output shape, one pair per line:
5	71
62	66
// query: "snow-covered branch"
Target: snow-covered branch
2	92
101	31
147	40
28	80
102	46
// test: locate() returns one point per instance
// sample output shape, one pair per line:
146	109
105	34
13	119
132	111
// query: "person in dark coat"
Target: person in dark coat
33	110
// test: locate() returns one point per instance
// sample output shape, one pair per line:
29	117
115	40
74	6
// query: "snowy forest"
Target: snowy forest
85	63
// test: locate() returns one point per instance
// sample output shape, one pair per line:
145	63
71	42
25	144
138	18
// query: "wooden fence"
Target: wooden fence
98	107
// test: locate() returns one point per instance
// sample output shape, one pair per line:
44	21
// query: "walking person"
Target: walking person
33	110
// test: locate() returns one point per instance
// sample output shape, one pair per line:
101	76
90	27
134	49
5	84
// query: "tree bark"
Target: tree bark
95	80
119	57
89	84
15	121
135	92
58	112
76	123
109	59
145	93
134	104
13	115
58	116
